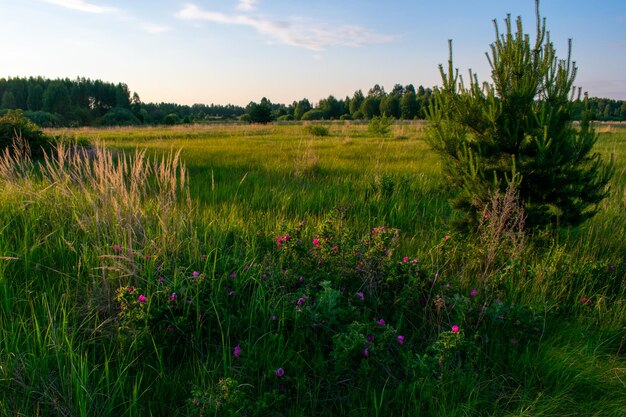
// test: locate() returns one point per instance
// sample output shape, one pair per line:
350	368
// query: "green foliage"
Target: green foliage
260	112
14	125
171	119
380	125
317	130
314	114
518	130
44	119
119	116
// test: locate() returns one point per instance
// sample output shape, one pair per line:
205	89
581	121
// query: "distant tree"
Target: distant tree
171	119
34	101
371	107
122	96
302	107
8	100
314	114
390	106
408	103
398	90
516	130
119	116
356	102
13	124
330	106
261	112
56	98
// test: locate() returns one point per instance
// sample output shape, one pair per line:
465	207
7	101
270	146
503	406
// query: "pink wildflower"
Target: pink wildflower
316	242
237	351
400	339
247	267
195	274
117	248
405	259
142	298
361	295
233	275
370	338
381	322
231	292
473	292
170	330
366	352
161	280
174	296
455	329
280	372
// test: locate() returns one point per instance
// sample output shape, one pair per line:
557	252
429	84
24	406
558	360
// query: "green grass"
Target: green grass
74	239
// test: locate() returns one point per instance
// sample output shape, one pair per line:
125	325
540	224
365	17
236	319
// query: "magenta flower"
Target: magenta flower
612	267
400	339
117	248
405	259
247	267
233	275
455	329
280	372
473	292
161	280
273	318
231	292
583	300
170	330
195	274
316	242
366	352
174	296
381	322
370	338
142	298
237	351
361	295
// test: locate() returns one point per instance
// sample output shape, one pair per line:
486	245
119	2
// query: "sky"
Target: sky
237	51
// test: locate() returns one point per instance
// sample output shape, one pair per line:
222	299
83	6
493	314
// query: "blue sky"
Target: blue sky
236	51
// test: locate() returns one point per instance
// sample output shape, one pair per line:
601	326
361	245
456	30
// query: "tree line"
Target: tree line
86	102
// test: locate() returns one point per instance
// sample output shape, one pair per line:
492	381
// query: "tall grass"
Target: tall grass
188	217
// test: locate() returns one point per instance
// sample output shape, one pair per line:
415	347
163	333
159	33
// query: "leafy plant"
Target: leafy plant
518	130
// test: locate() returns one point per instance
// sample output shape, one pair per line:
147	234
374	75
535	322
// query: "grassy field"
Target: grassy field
264	270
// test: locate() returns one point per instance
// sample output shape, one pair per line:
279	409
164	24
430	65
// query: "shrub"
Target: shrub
380	125
313	115
119	116
315	130
519	125
14	124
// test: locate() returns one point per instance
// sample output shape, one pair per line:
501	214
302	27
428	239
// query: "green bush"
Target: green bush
380	125
14	124
317	130
313	115
119	116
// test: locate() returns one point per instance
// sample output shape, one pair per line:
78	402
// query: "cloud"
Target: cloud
247	5
82	6
153	28
298	33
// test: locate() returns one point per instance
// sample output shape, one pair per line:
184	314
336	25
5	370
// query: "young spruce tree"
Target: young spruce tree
518	130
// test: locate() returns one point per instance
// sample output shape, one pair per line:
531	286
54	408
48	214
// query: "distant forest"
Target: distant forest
85	102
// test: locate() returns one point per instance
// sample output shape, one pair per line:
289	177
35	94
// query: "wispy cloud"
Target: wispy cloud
247	5
153	28
82	6
295	32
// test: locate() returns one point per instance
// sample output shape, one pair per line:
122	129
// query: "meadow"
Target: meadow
283	270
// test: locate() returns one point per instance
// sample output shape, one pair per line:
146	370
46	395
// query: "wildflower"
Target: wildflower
279	241
366	352
361	295
473	292
316	242
174	296
405	259
170	330
231	292
370	338
448	286
142	298
583	300
400	339
301	280
247	267
513	341
280	372
131	289
237	351
335	249
195	274
233	275
381	321
273	318
161	280
612	267
455	329
117	248
264	276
